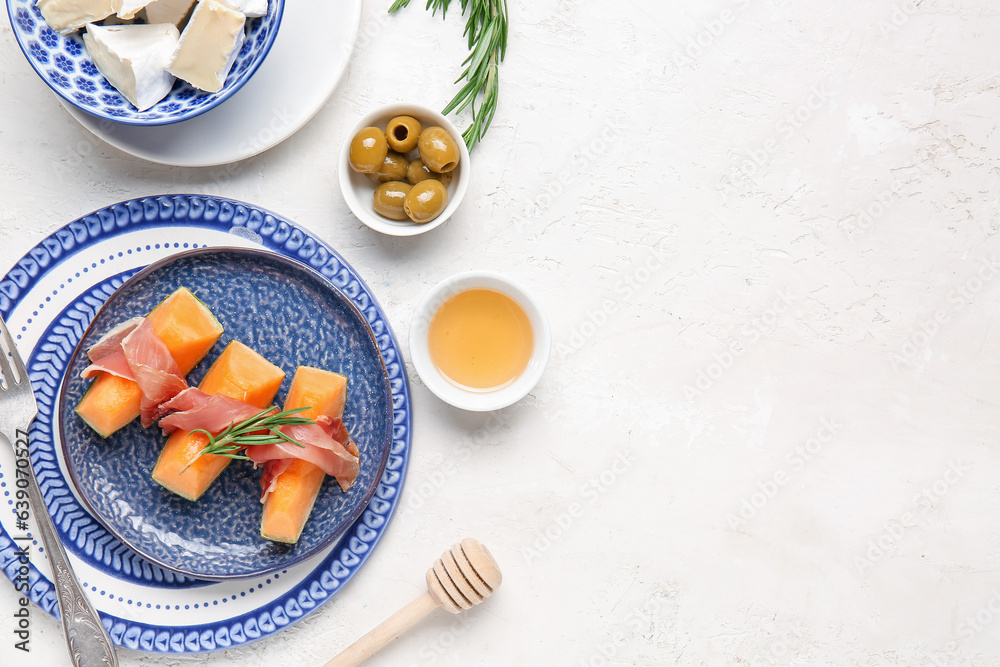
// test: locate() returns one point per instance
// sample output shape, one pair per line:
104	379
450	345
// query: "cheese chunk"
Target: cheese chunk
133	59
168	11
250	8
127	9
66	16
208	46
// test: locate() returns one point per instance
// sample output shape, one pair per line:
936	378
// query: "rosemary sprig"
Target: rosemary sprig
261	429
486	28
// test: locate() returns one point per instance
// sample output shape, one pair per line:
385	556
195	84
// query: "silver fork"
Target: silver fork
86	638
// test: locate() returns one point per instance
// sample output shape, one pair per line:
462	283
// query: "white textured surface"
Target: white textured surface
705	210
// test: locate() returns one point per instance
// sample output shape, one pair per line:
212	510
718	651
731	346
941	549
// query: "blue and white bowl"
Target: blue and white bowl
64	64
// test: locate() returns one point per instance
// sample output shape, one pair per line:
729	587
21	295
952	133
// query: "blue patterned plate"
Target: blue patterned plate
292	317
49	299
63	63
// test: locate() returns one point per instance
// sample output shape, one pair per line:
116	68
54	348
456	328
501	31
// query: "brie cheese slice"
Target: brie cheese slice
133	58
66	16
168	11
249	8
127	9
208	46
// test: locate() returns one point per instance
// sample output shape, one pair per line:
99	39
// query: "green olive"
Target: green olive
402	133
438	150
425	200
393	169
388	200
418	171
368	150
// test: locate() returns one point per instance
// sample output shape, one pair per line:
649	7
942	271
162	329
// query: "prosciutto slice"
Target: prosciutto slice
194	409
157	374
133	351
269	478
320	449
114	363
327	446
107	356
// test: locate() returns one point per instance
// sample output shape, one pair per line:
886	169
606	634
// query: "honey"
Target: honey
480	339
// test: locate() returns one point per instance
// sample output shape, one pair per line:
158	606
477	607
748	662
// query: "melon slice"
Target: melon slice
188	329
239	372
287	507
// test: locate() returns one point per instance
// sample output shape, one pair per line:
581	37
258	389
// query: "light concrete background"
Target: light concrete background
766	236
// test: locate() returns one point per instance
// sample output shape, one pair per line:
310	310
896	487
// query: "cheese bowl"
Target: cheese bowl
64	64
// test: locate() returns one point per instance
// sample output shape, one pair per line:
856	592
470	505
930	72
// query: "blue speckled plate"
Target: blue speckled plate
64	64
49	298
292	317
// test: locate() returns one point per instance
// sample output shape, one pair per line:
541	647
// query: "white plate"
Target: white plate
306	63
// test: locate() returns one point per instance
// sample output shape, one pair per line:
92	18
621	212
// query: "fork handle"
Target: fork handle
88	642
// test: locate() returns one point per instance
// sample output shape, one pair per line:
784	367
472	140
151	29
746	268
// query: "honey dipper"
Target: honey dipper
461	578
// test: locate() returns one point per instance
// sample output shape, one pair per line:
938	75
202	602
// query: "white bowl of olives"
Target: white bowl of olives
404	169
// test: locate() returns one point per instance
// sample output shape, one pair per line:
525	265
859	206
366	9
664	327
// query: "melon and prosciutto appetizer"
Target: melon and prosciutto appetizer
238	373
182	323
133	351
292	478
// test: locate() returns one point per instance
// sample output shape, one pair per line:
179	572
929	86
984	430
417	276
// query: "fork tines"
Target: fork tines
12	372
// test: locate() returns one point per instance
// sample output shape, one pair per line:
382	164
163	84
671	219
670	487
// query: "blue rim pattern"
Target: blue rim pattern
278	235
81	533
64	65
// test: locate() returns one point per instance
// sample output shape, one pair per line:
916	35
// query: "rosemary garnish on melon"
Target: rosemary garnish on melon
486	28
261	429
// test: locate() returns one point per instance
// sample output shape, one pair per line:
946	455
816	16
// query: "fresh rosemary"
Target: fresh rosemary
486	28
261	429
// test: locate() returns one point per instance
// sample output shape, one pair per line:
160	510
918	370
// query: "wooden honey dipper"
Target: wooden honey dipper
461	578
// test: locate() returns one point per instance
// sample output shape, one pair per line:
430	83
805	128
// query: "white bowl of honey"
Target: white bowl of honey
479	341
